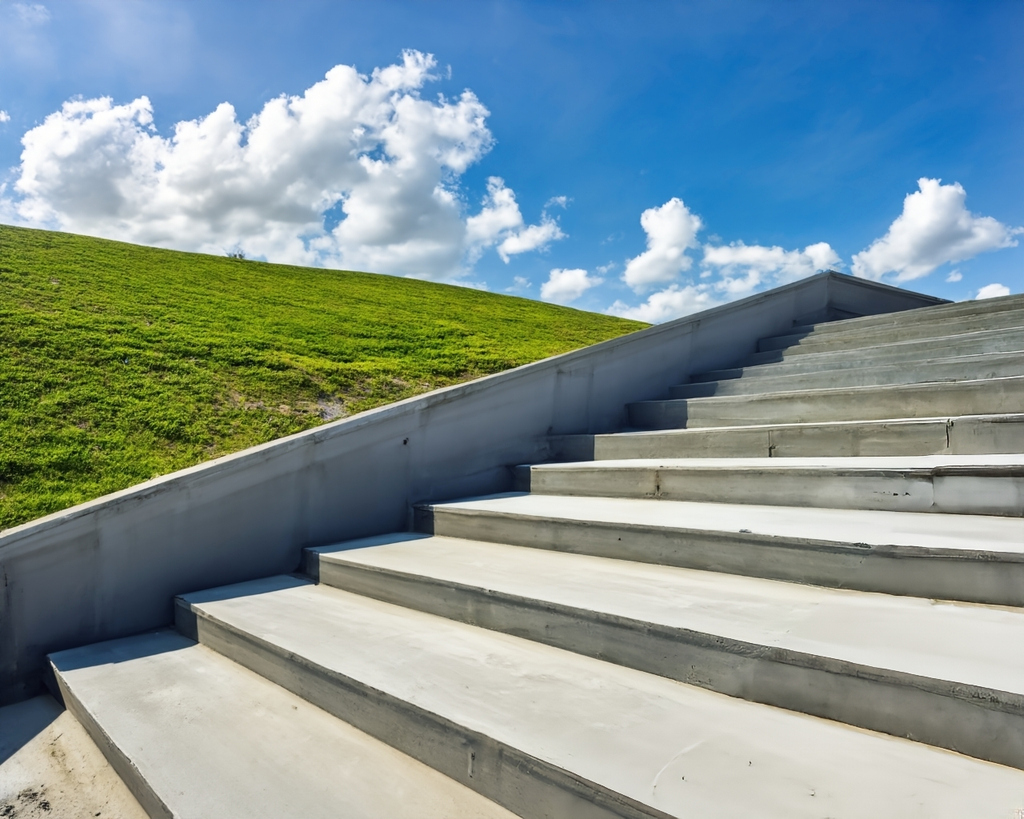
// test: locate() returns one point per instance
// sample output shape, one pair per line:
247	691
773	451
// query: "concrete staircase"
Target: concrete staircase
796	589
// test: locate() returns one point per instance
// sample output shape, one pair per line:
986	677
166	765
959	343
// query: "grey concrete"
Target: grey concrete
942	312
898	331
961	435
197	736
946	674
977	397
982	341
589	738
952	557
49	767
950	484
964	368
114	564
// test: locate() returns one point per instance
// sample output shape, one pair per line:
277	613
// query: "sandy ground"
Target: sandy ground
49	767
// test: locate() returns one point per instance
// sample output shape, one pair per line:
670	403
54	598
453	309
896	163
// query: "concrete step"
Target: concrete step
975	343
899	331
936	313
949	675
938	484
909	353
197	736
961	435
551	733
970	558
875	403
964	368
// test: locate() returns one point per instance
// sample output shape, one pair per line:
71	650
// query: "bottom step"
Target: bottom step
195	735
547	732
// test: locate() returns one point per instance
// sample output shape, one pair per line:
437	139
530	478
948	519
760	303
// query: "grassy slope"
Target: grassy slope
119	363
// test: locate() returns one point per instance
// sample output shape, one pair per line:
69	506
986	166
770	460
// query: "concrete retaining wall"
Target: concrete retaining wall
111	567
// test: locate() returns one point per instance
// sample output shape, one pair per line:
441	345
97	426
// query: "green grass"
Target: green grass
119	363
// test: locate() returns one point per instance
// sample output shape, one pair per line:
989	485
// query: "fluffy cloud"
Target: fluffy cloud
993	291
954	276
670	303
4	116
934	228
357	172
671	230
565	286
744	267
501	222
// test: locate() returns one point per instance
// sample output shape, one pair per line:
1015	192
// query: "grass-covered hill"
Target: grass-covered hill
119	363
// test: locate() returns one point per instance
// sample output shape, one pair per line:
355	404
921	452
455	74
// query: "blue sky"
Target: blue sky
649	159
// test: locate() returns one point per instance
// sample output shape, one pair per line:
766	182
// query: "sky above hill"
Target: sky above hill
643	159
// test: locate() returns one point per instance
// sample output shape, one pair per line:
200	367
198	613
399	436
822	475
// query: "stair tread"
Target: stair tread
972	645
965	535
1008	464
673	747
943	419
212	738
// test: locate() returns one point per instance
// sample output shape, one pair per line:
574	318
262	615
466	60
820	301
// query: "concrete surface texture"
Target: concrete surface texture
50	767
692	626
115	563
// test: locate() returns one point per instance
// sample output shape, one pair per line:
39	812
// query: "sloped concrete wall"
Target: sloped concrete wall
111	567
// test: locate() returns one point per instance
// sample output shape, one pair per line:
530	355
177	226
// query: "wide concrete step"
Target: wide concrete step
800	359
196	736
963	368
935	313
900	331
873	403
950	675
551	733
940	484
961	435
971	558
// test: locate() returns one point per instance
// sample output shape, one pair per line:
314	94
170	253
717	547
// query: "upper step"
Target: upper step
975	397
895	664
786	362
963	368
938	312
196	736
973	343
951	484
951	557
959	435
552	733
899	331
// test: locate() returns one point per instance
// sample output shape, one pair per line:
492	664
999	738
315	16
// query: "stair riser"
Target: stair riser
523	784
930	711
1000	366
978	343
860	404
960	436
884	490
939	313
899	332
990	578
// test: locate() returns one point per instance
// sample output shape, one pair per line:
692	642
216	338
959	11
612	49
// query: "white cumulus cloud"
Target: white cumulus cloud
358	172
565	286
671	230
4	116
934	228
672	302
743	268
954	276
993	291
